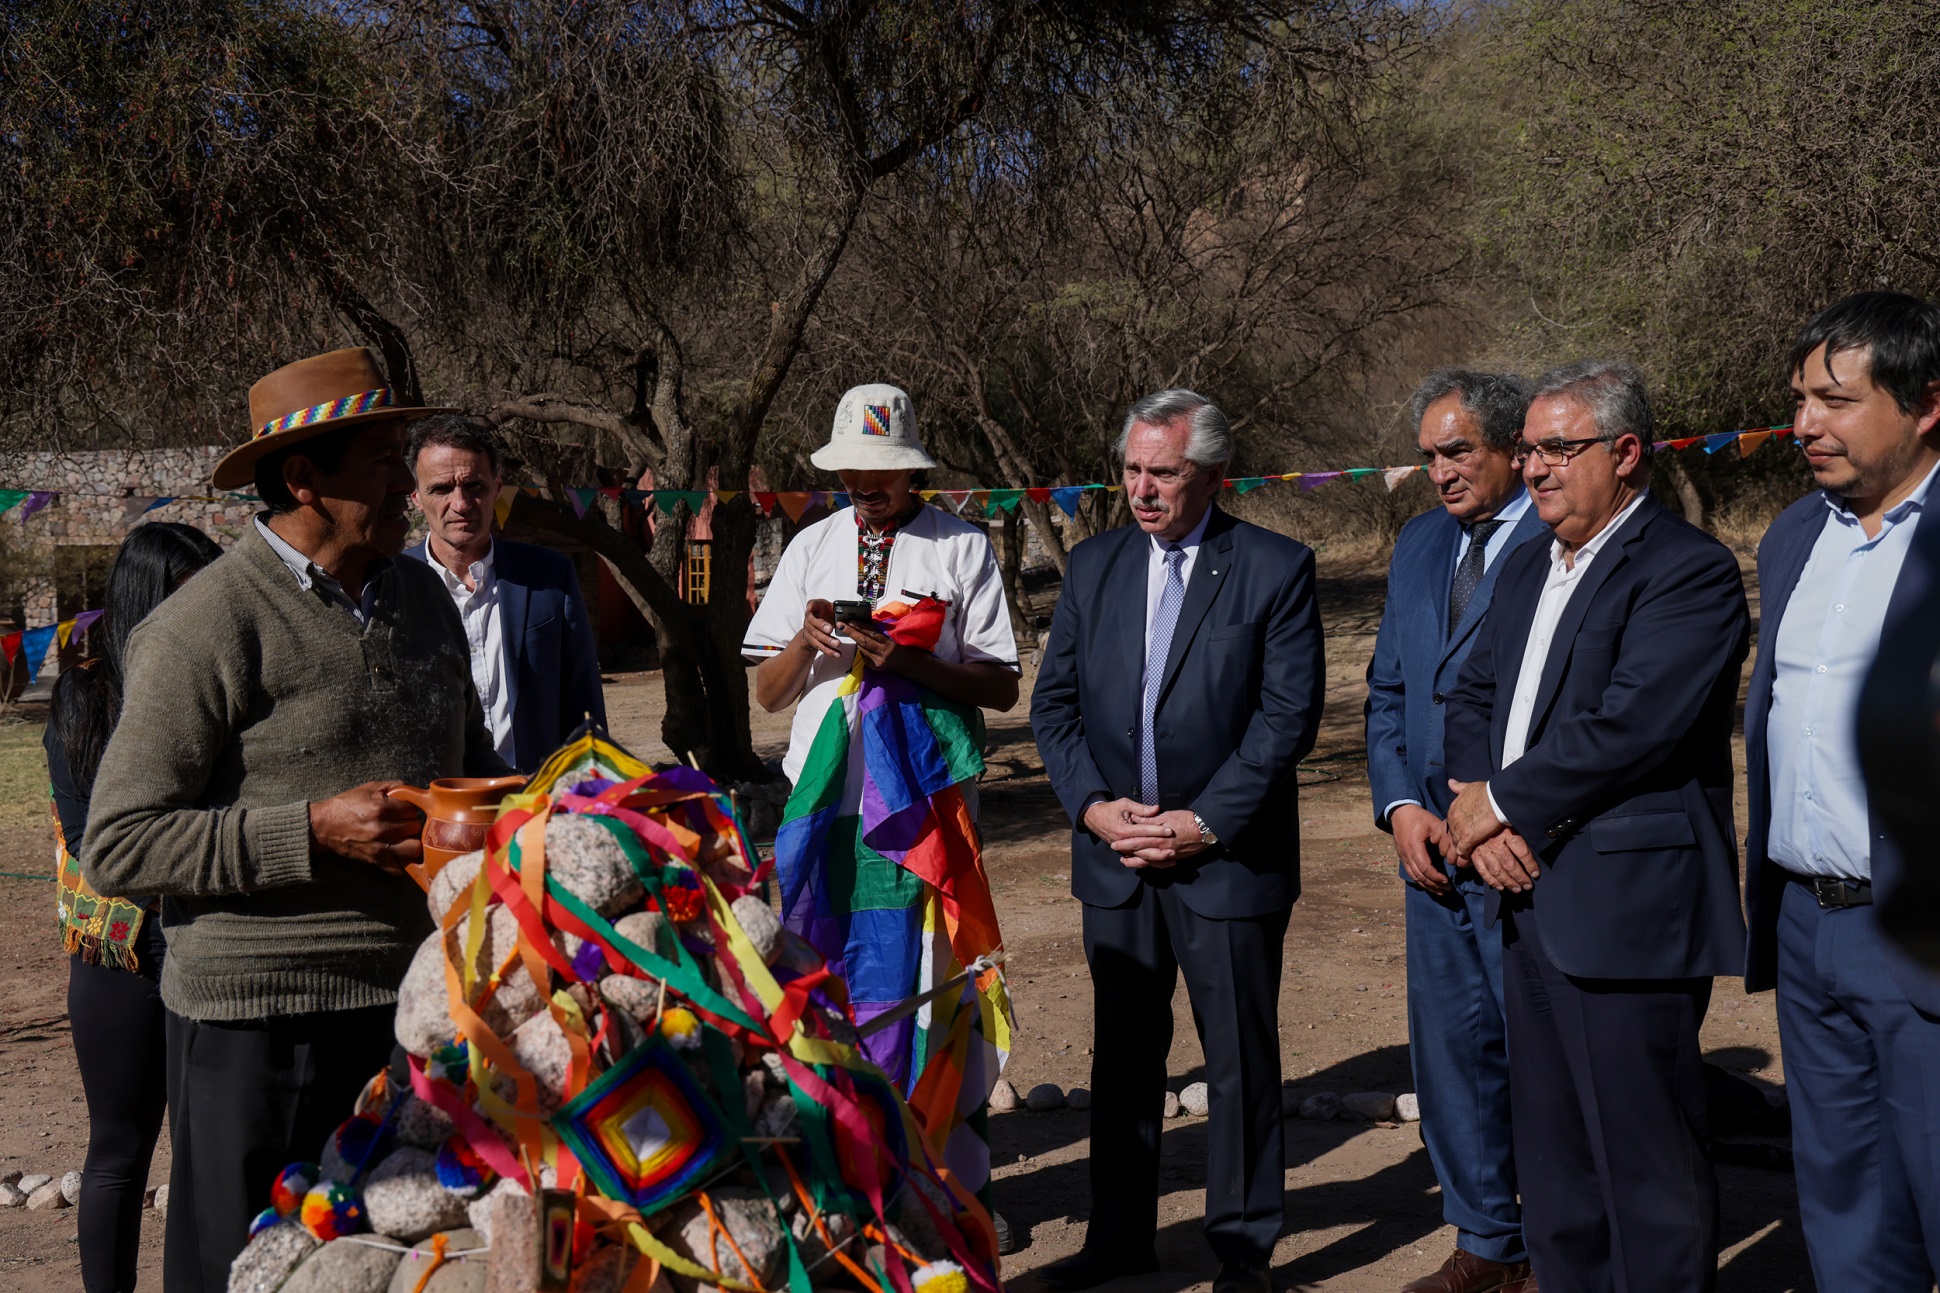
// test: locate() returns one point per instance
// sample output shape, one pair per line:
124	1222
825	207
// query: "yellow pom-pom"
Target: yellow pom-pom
940	1277
681	1027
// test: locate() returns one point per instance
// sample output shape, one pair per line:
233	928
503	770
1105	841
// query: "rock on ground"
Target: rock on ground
1375	1106
1289	1102
1077	1098
759	922
421	1123
456	1275
453	881
344	1266
749	1218
10	1196
161	1198
589	864
265	1260
402	1197
648	929
1045	1097
1003	1097
11	1176
541	1048
636	997
1196	1099
510	1221
32	1181
1172	1106
1321	1108
71	1186
46	1197
1407	1107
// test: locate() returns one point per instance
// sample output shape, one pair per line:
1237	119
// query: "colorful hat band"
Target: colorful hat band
348	406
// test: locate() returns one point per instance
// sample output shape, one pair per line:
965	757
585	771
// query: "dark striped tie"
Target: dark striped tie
1468	575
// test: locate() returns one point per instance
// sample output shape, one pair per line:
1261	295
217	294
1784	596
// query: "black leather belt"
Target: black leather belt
1834	892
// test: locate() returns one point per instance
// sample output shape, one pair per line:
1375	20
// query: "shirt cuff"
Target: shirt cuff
1494	807
1387	814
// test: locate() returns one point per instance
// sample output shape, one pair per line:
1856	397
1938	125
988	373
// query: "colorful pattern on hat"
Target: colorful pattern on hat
875	419
348	406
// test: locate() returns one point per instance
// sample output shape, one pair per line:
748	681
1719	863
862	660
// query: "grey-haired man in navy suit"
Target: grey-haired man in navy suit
1440	583
1859	1020
1182	684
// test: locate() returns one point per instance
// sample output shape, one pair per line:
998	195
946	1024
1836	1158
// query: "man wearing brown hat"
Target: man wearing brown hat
269	706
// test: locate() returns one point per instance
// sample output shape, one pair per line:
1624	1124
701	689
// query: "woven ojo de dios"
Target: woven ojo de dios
625	1074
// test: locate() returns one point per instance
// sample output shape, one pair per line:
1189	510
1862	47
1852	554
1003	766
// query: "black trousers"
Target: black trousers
249	1098
117	1017
1606	1097
1232	973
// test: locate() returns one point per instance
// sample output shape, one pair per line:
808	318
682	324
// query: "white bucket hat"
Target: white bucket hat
875	430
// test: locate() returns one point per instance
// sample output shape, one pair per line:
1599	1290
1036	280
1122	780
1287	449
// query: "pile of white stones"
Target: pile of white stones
1193	1100
39	1191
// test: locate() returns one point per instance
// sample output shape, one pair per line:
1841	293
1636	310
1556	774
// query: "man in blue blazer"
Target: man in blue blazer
1440	580
1589	741
1859	1021
534	660
1180	688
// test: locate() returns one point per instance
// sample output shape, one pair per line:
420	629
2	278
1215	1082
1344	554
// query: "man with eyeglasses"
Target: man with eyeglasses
1589	746
1440	581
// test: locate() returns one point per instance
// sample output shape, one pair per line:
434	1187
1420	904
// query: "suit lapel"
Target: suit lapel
1125	589
1527	527
1441	579
1209	571
1776	595
1612	556
514	605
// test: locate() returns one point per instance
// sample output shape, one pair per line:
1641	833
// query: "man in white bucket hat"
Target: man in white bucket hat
884	565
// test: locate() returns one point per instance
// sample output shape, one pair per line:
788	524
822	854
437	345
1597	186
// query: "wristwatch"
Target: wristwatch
1206	835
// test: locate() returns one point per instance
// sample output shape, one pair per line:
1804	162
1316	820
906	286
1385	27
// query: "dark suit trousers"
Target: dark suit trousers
246	1100
1860	1066
1232	973
1606	1091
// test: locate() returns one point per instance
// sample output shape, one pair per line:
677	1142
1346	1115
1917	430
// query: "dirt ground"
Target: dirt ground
1363	1211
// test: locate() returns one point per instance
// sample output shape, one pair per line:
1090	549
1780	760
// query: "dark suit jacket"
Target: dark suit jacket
1417	660
1782	555
1238	708
1625	789
551	660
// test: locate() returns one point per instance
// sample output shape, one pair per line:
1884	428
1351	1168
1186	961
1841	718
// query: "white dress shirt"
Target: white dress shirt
1155	570
1827	638
312	578
1558	585
1499	541
484	616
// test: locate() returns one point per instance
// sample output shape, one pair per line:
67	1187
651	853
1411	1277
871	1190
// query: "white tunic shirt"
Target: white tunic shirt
935	554
484	615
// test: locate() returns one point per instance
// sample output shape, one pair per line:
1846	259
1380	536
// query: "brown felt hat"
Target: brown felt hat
308	398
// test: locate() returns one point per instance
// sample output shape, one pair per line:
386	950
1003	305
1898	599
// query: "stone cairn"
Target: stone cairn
624	1074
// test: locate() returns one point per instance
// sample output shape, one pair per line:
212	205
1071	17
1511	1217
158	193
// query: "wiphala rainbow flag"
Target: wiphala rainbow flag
881	869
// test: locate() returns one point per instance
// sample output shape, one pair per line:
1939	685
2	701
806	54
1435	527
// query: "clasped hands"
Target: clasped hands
1142	835
877	649
1472	835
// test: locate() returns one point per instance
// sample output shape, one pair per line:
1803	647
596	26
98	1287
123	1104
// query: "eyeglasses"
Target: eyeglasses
1555	453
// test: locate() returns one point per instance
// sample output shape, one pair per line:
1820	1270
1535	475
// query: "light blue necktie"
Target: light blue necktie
1157	646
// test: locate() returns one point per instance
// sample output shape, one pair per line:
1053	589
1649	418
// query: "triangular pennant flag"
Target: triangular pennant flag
956	499
838	500
638	497
726	495
1008	499
1315	479
928	495
11	645
765	501
793	503
62	630
12	498
164	501
582	500
613	492
134	505
1038	495
1713	443
34	642
1395	475
1067	498
1750	440
35	501
84	620
503	508
1246	484
1362	473
1682	442
978	504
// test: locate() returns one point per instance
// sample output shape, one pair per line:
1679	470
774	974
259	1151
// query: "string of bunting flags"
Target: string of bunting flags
35	643
794	504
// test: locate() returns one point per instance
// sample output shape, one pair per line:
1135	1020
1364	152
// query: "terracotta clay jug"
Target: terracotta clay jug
457	813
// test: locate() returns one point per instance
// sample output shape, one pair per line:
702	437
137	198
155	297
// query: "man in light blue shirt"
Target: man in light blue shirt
1858	1021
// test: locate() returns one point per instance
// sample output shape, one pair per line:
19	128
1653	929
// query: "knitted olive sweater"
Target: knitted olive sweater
247	698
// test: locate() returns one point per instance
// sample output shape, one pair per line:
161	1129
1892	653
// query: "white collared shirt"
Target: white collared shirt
484	616
1511	512
312	578
1821	822
1155	569
1558	586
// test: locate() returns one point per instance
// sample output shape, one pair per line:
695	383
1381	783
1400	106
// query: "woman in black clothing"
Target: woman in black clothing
114	1000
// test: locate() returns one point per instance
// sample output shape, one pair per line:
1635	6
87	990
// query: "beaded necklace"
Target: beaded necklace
872	553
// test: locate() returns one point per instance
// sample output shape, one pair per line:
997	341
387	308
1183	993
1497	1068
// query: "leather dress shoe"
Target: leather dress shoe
1088	1269
1242	1277
1464	1272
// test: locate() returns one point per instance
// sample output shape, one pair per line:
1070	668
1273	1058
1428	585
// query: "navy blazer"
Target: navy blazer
1625	788
1782	555
1239	706
551	661
1417	660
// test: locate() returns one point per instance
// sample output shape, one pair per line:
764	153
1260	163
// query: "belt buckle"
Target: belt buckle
1831	892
